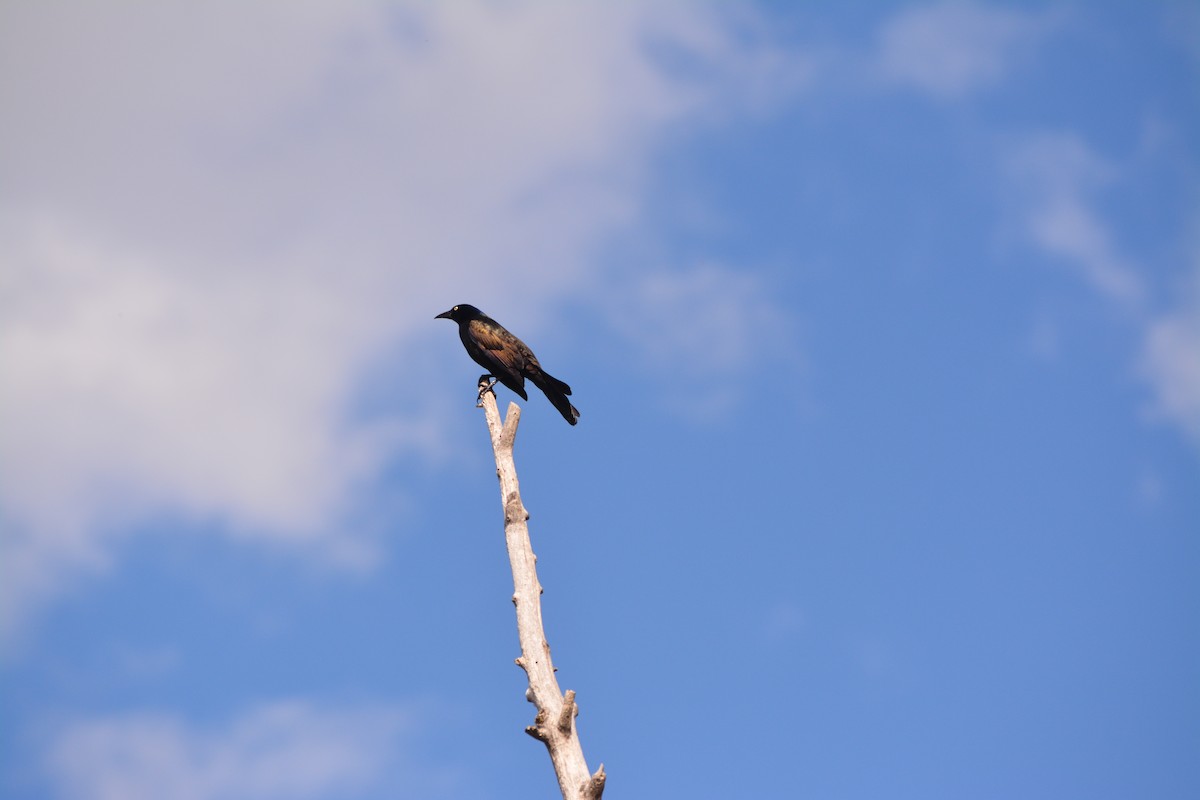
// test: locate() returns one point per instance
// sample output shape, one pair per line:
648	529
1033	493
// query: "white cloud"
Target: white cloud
219	216
1068	228
284	750
952	48
1057	176
1171	361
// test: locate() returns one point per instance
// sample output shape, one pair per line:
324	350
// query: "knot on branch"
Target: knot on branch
514	509
569	711
538	729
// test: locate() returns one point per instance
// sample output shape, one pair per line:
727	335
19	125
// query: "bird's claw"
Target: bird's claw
486	382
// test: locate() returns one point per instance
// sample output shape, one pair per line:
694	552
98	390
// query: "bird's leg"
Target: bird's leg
486	382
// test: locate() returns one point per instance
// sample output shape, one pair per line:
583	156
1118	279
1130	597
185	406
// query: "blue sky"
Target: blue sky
884	324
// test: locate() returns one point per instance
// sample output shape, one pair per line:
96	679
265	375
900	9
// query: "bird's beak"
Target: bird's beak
443	315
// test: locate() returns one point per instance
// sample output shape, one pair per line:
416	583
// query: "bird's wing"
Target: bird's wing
489	337
499	352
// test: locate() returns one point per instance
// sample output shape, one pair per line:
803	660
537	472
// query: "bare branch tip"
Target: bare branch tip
537	733
512	417
593	787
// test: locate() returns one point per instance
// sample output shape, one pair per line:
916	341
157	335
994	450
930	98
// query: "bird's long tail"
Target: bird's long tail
556	392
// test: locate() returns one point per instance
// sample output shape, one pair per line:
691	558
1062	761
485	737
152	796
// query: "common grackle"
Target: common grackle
506	358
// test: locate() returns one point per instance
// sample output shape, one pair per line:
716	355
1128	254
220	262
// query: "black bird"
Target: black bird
506	358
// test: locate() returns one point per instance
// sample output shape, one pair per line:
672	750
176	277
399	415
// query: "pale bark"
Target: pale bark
554	723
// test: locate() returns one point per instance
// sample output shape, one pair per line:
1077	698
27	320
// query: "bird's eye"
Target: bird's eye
456	308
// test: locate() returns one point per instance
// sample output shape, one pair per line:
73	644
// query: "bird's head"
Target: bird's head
461	313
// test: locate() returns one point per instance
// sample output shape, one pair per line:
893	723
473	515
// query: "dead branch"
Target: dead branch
554	723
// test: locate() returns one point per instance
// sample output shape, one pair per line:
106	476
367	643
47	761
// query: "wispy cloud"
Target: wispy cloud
701	329
1060	180
292	750
951	49
1057	177
1171	361
218	216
